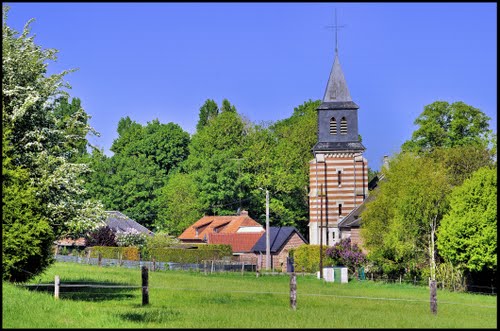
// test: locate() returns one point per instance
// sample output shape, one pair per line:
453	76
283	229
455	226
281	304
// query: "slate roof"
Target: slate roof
353	219
278	236
240	242
121	223
336	88
339	146
218	224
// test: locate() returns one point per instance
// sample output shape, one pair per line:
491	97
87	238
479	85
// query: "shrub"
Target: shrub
197	255
159	240
131	237
306	258
123	253
346	254
103	236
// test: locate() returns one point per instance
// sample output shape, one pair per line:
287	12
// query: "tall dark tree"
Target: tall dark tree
208	112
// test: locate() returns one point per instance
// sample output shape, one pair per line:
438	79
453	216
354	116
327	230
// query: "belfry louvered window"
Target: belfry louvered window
333	126
343	126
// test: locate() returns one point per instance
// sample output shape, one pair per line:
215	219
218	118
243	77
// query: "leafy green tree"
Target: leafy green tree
399	224
278	158
42	141
214	153
26	233
468	234
226	106
445	125
208	112
178	205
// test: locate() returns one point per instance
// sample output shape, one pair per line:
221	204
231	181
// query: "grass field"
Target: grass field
180	299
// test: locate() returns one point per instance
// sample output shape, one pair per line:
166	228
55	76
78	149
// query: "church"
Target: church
338	174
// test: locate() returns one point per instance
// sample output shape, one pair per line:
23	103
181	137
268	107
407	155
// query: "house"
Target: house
117	221
199	231
350	225
281	240
241	244
120	223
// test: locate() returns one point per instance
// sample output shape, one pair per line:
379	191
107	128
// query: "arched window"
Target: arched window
333	126
343	126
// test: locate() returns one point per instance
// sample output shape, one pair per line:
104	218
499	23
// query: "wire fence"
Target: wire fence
211	266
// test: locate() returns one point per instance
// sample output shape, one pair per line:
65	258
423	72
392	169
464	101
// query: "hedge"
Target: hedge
306	258
197	255
121	253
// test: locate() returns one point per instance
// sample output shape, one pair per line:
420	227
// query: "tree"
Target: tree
399	224
213	162
102	236
226	106
208	112
467	236
445	125
178	205
26	233
42	142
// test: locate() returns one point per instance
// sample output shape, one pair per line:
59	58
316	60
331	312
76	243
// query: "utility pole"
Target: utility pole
268	248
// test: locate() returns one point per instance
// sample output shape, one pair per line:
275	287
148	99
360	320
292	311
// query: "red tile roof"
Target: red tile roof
218	224
240	242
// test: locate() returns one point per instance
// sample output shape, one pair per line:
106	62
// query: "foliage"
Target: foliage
130	253
178	204
183	255
306	258
26	234
445	125
399	223
45	137
450	277
208	112
467	237
159	240
346	254
131	237
102	236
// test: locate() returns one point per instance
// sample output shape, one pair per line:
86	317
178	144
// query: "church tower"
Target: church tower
338	174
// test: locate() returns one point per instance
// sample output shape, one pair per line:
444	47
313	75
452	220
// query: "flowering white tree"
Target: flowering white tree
39	140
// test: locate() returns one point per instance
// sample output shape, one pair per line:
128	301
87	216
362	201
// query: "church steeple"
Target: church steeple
336	89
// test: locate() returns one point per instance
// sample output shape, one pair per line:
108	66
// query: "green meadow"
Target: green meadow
183	299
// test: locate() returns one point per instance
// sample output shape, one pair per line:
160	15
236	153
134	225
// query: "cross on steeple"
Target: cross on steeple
336	27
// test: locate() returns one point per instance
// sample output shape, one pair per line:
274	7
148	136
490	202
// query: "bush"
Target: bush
103	236
159	240
197	255
306	258
132	237
123	253
346	254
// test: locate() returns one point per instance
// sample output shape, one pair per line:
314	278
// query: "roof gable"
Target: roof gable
223	224
119	222
278	237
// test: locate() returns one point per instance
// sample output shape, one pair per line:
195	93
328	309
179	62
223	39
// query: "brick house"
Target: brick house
281	240
200	230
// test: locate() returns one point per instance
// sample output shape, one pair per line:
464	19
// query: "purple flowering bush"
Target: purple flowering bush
346	254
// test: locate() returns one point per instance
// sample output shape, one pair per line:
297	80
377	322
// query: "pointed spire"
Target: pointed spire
336	89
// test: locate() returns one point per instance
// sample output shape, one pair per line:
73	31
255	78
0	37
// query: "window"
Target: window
339	174
333	126
340	209
343	126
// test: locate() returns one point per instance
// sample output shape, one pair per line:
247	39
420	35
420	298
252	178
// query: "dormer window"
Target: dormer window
333	126
343	126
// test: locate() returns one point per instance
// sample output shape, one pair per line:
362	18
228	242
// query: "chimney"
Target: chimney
243	213
385	162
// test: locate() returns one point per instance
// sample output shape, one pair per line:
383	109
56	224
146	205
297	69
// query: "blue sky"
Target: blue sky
163	60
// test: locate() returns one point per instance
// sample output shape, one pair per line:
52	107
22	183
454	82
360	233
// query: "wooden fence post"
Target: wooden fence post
57	282
154	264
145	288
242	267
433	297
293	291
99	259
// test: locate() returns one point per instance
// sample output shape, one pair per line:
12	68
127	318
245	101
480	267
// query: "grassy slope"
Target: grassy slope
194	300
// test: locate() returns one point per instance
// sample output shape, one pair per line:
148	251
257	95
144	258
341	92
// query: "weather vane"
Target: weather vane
336	27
